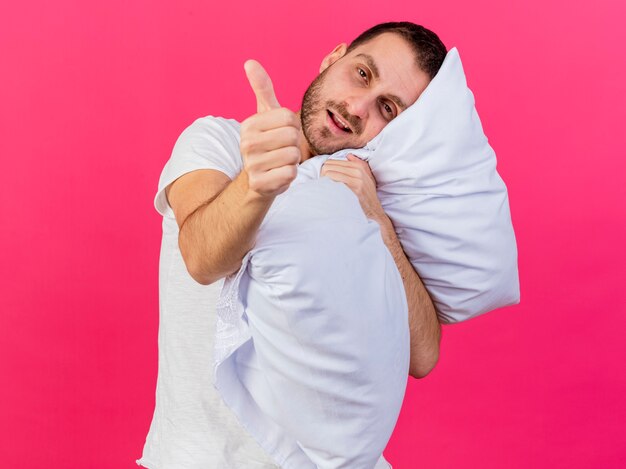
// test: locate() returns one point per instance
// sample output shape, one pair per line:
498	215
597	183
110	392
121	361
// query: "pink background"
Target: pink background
93	96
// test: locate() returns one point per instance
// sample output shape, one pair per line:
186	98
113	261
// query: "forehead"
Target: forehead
395	65
388	43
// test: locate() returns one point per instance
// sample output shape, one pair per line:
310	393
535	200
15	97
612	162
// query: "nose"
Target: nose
359	105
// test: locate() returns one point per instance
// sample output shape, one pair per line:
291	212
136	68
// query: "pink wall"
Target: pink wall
92	98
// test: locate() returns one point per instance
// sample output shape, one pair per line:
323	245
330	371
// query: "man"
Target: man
214	193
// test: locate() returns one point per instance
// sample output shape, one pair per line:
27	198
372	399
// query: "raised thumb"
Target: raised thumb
261	84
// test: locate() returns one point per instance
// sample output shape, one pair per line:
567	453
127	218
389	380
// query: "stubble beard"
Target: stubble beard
312	106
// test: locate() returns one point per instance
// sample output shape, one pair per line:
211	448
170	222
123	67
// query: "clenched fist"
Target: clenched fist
269	139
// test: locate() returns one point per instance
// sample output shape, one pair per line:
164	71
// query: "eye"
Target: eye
362	72
388	111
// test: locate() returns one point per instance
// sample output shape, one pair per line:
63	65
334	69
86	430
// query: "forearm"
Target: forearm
424	324
216	236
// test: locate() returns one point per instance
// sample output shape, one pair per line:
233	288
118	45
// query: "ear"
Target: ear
337	53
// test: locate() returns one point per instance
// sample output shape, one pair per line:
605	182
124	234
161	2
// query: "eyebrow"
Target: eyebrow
369	60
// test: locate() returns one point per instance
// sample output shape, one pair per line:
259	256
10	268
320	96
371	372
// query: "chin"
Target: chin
332	144
330	149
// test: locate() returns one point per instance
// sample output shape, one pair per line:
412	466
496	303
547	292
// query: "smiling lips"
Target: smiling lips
338	123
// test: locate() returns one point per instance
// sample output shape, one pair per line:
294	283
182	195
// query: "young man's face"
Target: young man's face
363	91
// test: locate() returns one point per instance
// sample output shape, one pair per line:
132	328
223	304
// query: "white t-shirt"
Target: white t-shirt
192	428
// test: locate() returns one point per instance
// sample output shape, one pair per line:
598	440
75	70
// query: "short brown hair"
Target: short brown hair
428	48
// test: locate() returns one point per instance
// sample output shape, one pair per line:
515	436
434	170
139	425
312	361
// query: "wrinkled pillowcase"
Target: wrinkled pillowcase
319	373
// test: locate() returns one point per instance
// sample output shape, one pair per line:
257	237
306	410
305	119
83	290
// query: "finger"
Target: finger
275	159
364	165
272	119
276	178
261	84
338	176
342	163
274	139
342	168
355	159
351	157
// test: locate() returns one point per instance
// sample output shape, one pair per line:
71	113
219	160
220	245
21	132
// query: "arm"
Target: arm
424	324
218	219
423	321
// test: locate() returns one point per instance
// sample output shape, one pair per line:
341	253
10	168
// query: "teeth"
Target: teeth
343	124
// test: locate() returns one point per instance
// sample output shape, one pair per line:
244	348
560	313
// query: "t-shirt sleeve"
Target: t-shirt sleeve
208	143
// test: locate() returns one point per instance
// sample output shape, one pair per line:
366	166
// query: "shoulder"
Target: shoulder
207	143
207	138
226	124
216	126
209	134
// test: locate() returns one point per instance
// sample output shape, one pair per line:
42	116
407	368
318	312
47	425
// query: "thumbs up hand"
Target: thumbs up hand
270	138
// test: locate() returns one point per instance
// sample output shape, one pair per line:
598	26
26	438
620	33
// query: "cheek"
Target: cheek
374	127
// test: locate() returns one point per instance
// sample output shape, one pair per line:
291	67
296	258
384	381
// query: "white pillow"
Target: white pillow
437	182
312	337
312	344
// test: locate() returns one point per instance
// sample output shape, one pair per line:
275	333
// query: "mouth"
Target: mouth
337	123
